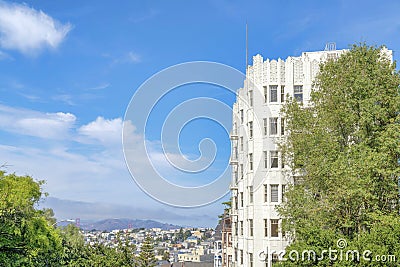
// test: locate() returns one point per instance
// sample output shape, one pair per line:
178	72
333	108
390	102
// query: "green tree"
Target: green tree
187	234
344	151
227	209
166	255
76	253
180	237
27	237
146	256
126	252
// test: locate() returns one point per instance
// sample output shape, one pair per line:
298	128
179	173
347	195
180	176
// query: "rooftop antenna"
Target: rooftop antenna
247	48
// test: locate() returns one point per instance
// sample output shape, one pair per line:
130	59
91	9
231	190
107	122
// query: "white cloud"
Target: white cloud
84	174
103	130
78	171
100	86
28	30
129	57
34	123
99	181
65	98
4	56
33	98
133	57
60	126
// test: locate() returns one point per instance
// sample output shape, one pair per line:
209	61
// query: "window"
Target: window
265	94
275	258
235	175
236	255
241	171
282	126
273	126
251	161
241	143
251	259
235	203
265	193
273	93
282	162
250	129
241	199
251	194
265	126
251	227
265	227
274	159
274	193
274	228
251	98
241	256
265	159
298	92
241	116
282	93
283	191
236	229
241	227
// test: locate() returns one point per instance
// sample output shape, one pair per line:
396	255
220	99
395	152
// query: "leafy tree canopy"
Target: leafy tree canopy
26	236
146	256
344	151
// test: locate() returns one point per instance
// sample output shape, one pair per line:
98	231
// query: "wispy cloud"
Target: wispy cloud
86	163
28	30
100	86
30	97
128	57
4	56
133	57
65	98
43	125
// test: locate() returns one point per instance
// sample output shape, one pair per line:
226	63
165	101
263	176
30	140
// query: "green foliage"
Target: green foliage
26	236
344	148
146	257
166	255
187	234
77	253
227	209
180	236
101	255
29	239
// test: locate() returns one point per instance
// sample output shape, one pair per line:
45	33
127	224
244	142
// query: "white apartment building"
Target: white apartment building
258	176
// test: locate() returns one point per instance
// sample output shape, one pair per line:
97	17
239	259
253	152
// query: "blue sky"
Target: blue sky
69	69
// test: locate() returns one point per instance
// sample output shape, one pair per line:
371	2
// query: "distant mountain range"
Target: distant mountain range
113	224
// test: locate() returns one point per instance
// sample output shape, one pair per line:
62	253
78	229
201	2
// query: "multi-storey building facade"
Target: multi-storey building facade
259	176
227	250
